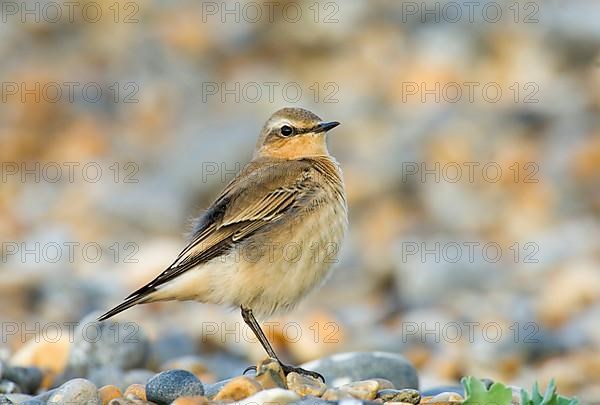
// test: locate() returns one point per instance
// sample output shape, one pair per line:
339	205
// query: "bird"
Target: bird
270	237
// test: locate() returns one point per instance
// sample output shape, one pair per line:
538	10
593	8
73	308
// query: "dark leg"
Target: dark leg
253	324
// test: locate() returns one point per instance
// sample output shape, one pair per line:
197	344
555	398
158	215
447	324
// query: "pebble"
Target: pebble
431	392
193	364
167	386
78	390
172	345
310	400
108	343
238	388
44	354
304	385
342	368
210	390
9	387
137	376
397	403
135	391
405	395
278	396
15	398
108	393
332	394
44	396
28	379
125	401
270	375
32	401
195	400
106	375
384	384
444	397
366	389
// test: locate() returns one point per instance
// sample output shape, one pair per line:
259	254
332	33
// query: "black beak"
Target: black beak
326	126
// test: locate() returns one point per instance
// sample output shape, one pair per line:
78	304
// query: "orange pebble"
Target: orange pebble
195	400
108	393
136	391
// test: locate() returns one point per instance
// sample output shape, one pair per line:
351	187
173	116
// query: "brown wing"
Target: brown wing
259	198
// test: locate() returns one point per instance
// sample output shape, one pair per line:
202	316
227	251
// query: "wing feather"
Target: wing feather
240	211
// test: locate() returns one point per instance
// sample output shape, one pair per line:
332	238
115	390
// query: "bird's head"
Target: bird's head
293	133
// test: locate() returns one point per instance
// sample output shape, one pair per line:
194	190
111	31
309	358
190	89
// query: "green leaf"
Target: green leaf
477	394
550	396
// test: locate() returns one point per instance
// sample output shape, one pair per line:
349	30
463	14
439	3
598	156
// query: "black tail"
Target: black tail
128	303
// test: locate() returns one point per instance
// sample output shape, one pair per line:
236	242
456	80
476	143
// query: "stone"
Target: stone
193	364
135	391
167	386
46	355
304	385
276	396
397	403
310	400
443	397
366	389
384	384
172	345
77	390
195	400
9	387
125	401
332	394
270	375
342	368
405	395
106	375
16	398
108	393
108	343
32	401
238	388
137	376
210	390
28	379
431	392
44	396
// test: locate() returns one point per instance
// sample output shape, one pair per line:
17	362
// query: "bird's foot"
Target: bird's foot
250	368
291	369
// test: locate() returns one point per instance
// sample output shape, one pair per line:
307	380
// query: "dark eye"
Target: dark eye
286	130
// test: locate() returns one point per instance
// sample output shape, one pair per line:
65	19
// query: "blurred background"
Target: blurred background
470	144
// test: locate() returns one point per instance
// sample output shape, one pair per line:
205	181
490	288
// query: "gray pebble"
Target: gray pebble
78	390
137	376
106	375
108	343
28	378
432	392
210	390
406	395
167	386
9	387
310	400
172	345
343	368
43	397
17	398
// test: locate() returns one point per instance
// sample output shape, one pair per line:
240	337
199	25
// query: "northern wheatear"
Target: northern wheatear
289	198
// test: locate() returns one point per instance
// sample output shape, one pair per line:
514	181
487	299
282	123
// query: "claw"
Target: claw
253	368
289	369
